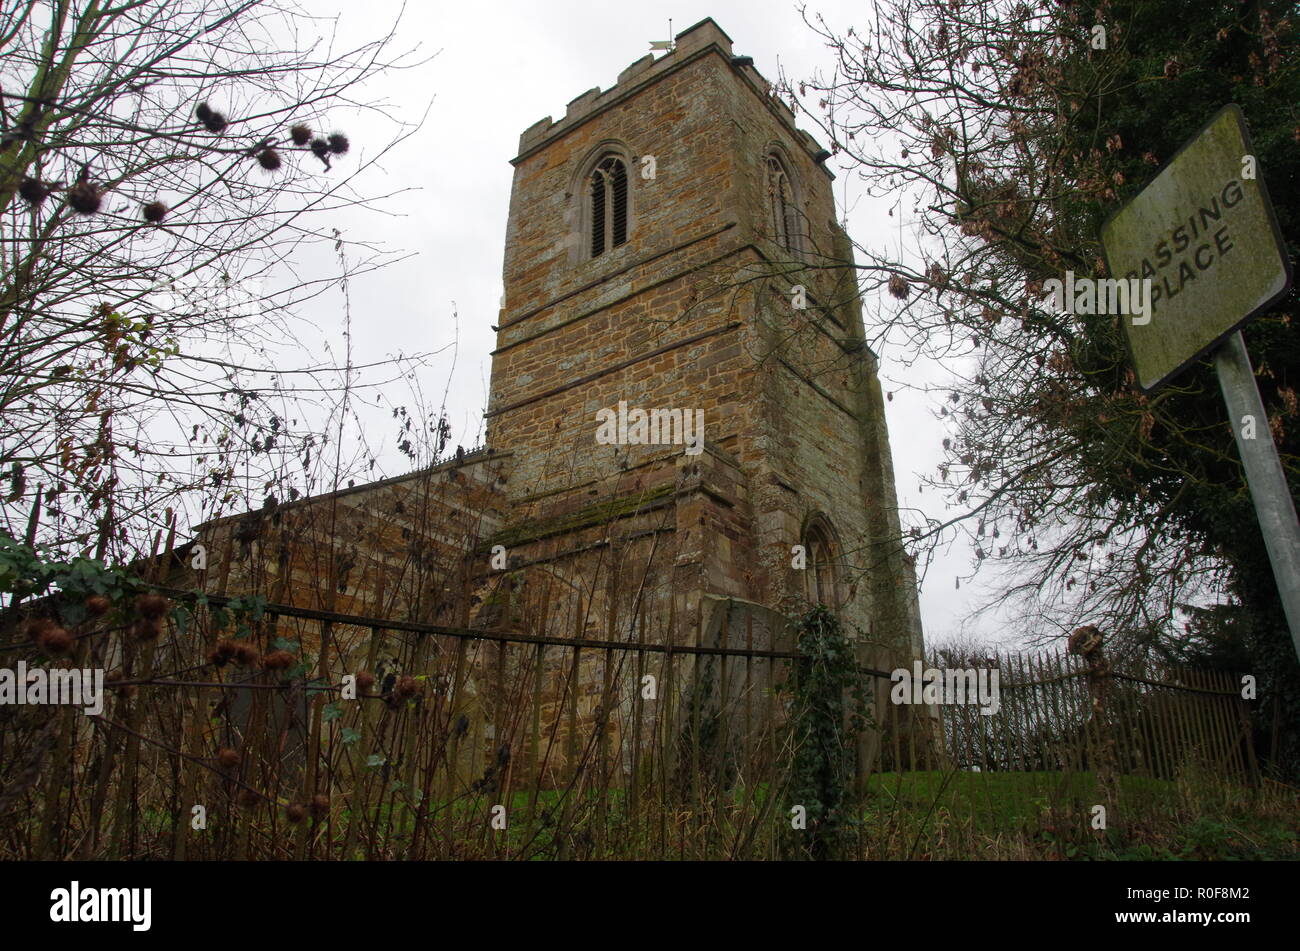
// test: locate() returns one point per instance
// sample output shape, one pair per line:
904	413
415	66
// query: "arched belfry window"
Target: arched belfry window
783	211
822	575
607	194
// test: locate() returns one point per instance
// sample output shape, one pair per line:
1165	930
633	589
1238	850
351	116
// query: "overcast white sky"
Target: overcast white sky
501	66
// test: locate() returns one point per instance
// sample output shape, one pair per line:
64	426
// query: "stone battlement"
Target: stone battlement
699	40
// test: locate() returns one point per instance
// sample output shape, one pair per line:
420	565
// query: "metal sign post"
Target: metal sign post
1201	247
1264	474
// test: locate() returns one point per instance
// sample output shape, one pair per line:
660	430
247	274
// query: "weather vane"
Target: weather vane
667	44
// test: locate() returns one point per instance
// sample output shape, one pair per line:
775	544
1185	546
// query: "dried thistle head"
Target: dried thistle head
151	607
365	680
338	143
248	798
246	655
269	159
97	605
320	806
406	687
51	638
295	812
227	758
320	148
155	212
277	660
84	198
147	629
33	191
300	134
222	654
212	120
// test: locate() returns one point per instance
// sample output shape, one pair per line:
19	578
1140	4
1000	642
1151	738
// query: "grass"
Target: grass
1003	800
910	815
1050	815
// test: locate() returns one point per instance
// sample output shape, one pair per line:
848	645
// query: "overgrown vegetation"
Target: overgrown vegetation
828	711
999	135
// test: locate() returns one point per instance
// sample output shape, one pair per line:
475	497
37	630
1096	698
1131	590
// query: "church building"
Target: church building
686	439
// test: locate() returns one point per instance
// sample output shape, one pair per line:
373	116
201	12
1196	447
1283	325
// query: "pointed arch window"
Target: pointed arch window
607	194
823	573
783	212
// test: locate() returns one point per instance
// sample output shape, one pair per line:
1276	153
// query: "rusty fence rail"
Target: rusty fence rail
338	736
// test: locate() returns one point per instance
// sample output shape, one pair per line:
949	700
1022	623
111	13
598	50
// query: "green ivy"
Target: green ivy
26	572
828	711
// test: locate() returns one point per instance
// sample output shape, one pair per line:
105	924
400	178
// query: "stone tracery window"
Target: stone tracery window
607	204
783	211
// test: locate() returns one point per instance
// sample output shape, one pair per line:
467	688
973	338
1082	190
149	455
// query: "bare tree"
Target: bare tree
162	166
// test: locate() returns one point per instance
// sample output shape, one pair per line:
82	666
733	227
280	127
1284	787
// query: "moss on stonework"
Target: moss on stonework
598	514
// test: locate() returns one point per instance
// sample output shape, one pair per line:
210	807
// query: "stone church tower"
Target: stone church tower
672	247
686	447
